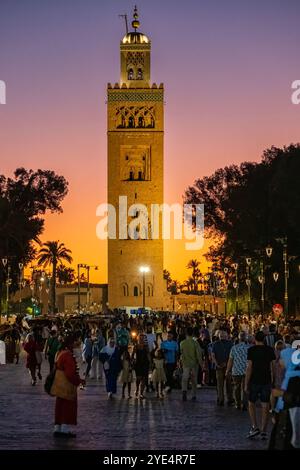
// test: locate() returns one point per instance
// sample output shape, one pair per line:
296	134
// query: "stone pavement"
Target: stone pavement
26	418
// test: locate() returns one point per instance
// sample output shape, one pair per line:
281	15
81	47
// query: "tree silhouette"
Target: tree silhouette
251	205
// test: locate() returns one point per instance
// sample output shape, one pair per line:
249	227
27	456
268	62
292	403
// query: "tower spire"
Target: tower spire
135	23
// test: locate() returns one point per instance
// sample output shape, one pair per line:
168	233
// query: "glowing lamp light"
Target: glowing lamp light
144	269
275	276
269	251
235	265
260	279
248	261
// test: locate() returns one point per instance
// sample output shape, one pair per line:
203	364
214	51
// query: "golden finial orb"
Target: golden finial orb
135	23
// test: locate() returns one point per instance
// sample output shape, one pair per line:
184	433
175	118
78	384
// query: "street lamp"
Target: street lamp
144	270
261	280
286	277
80	265
5	263
226	270
269	251
20	286
88	294
248	282
276	276
236	287
87	267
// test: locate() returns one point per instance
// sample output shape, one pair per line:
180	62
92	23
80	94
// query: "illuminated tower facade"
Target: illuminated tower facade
135	113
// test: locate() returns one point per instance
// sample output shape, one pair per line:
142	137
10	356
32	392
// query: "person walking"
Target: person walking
110	357
141	366
96	366
170	350
258	383
30	346
127	369
191	358
51	348
87	353
66	408
278	370
220	356
159	376
236	367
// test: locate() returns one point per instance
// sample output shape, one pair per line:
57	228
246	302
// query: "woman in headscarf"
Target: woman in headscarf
66	410
110	357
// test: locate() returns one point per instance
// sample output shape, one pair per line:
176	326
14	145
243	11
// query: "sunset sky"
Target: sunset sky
227	67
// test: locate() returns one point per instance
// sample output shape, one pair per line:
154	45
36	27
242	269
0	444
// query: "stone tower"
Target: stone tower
135	171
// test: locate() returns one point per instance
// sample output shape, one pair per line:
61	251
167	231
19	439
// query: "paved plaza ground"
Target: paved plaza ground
26	418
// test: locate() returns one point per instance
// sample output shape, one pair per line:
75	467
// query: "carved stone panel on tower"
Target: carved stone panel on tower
135	163
132	117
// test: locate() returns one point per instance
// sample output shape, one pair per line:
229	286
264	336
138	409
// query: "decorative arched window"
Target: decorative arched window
141	121
149	290
131	121
135	291
130	74
140	74
125	289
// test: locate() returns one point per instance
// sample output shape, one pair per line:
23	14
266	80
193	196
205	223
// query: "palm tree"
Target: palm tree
65	275
194	265
167	277
174	287
53	253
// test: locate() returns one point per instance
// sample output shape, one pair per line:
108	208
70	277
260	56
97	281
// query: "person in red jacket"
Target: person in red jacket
30	346
66	410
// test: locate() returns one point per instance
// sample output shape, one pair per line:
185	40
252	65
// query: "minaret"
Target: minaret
135	170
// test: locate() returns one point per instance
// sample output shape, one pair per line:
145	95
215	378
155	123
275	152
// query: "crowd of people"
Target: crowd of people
247	361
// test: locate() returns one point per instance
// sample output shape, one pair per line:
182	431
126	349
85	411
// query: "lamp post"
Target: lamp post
5	262
248	282
214	288
207	279
261	280
20	286
236	287
202	282
144	270
88	294
226	270
286	277
80	265
284	243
